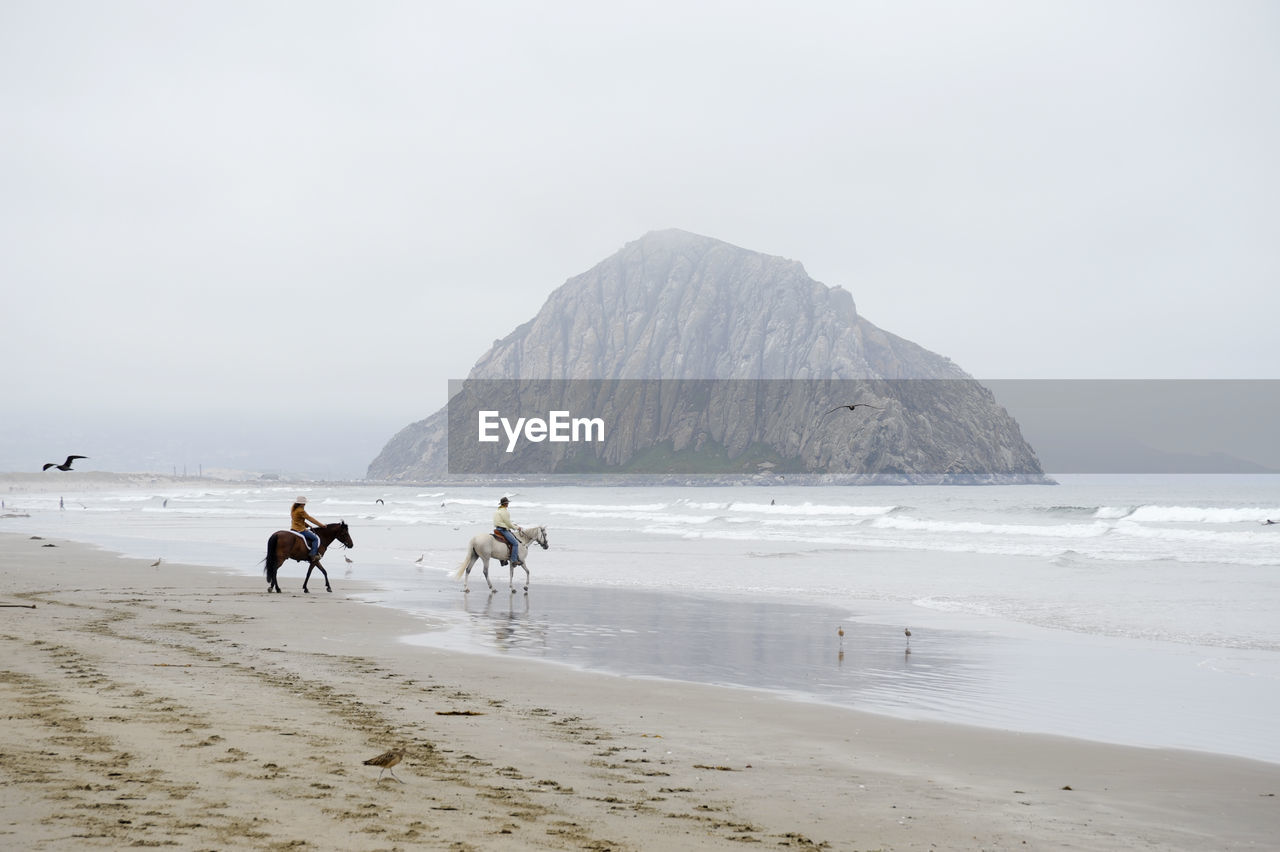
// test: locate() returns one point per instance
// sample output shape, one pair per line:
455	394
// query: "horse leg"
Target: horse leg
526	577
464	570
485	559
325	573
310	567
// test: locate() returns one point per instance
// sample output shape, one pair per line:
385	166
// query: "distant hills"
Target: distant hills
709	358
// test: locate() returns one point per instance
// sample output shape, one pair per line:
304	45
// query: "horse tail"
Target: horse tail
270	566
467	562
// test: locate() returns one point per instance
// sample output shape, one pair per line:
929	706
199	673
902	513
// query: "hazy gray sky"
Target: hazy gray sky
311	215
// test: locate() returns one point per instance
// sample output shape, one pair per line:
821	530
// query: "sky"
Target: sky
268	234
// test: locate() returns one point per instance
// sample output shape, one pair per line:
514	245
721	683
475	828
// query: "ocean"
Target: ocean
1142	610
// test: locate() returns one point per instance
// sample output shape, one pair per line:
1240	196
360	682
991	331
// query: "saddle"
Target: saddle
306	543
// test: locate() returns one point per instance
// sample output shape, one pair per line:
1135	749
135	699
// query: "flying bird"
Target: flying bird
852	407
66	465
386	761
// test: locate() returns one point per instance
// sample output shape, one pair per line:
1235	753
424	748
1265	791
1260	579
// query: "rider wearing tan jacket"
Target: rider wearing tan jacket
299	517
503	524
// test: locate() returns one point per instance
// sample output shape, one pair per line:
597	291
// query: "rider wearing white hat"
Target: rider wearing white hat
299	517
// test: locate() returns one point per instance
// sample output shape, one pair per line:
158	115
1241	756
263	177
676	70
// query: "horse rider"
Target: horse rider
299	517
503	526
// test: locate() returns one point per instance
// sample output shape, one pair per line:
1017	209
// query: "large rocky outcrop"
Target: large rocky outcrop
674	305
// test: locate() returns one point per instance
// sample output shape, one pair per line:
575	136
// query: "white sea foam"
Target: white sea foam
569	508
1201	514
811	510
982	528
1166	533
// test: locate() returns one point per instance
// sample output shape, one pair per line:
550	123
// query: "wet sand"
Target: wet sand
181	706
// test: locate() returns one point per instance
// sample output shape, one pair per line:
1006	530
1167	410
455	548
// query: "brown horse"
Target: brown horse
287	545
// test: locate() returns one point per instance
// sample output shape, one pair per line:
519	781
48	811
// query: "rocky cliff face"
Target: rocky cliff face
674	305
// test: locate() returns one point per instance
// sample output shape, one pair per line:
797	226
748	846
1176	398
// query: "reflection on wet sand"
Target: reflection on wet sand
761	645
512	628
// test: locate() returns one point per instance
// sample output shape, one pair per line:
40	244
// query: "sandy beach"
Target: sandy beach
180	706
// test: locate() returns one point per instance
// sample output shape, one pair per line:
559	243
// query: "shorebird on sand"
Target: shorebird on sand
156	564
418	561
66	465
386	761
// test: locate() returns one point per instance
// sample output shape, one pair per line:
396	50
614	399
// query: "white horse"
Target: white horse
487	547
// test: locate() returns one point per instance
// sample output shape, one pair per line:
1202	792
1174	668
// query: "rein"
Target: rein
525	538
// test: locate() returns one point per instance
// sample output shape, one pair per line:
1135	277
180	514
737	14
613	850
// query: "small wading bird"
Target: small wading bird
852	407
386	761
156	564
66	465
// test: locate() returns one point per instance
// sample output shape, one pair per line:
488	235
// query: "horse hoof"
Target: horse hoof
327	589
306	591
